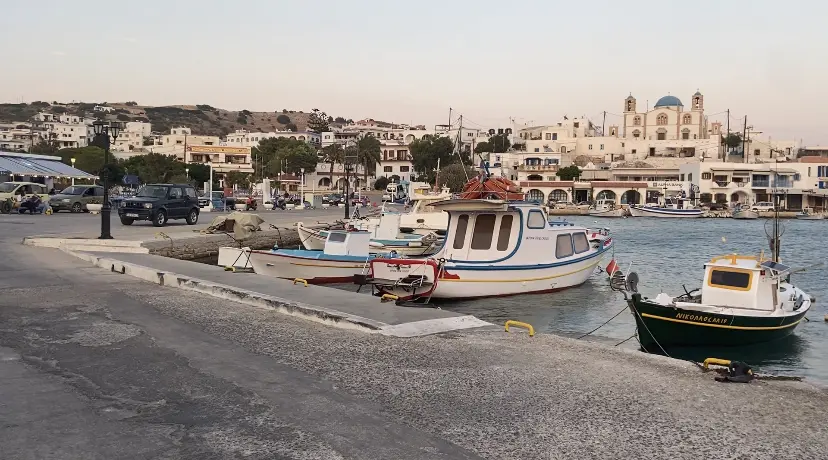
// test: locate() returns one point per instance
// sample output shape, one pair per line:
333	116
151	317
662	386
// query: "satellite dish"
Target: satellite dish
631	282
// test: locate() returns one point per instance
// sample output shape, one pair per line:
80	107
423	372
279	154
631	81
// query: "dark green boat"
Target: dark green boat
743	301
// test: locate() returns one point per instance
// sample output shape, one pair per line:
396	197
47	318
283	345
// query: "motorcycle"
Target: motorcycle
251	203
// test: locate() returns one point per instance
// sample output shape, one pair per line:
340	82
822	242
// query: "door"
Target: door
190	200
175	203
88	195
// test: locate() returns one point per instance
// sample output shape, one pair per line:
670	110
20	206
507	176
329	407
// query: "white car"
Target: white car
762	206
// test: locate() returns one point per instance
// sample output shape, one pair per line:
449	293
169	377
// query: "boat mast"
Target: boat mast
775	215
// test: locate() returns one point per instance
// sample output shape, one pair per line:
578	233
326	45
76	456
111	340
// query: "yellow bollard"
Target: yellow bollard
719	361
519	324
300	280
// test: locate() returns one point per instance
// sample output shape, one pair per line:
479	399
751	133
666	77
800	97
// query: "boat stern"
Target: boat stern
405	279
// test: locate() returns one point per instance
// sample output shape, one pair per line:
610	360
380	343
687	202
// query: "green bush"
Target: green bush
380	183
283	119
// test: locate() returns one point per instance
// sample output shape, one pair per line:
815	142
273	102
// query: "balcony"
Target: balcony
719	184
761	183
538	167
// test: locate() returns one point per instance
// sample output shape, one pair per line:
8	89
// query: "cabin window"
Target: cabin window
535	219
729	279
563	246
580	242
336	237
505	233
460	233
483	231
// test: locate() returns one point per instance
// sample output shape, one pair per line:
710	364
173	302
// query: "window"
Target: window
576	124
191	192
797	176
554	136
536	219
706	176
175	193
730	279
689	177
590	146
687	119
387	169
602	146
563	149
460	233
662	136
504	233
483	231
563	246
685	135
404	168
637	121
756	152
633	151
682	178
580	242
337	237
636	134
549	136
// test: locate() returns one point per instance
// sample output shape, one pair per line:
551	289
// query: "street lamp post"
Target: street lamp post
73	165
187	173
302	188
106	130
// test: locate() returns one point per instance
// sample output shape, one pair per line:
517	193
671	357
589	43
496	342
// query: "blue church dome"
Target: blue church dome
669	101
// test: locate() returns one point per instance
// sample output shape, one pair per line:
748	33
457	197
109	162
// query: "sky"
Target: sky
409	62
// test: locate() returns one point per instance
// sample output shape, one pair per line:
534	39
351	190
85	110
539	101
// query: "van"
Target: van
762	206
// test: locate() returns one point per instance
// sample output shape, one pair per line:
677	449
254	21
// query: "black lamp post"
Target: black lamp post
103	131
348	168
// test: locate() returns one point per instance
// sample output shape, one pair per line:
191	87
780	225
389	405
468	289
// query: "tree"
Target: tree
426	152
500	143
339	120
242	120
89	159
569	173
131	103
333	154
43	148
283	119
279	155
330	119
455	176
237	178
732	140
369	153
318	121
381	183
154	167
123	117
291	127
199	173
482	147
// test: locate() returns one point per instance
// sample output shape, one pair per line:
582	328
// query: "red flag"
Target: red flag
612	267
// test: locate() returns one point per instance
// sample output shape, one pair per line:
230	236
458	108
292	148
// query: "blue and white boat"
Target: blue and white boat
494	248
344	255
384	238
671	208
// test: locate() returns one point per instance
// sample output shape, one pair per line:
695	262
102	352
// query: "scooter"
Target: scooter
251	203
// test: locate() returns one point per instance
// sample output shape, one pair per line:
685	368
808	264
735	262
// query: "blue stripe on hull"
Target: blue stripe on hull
527	267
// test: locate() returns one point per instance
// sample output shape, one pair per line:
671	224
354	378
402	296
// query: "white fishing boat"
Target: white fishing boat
671	208
809	214
743	211
384	238
419	217
606	208
493	248
345	254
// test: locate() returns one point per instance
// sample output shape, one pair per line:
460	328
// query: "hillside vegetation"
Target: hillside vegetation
203	119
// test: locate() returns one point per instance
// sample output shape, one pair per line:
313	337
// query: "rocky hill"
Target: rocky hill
203	119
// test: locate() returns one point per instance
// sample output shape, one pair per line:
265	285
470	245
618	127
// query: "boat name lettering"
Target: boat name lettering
537	238
701	319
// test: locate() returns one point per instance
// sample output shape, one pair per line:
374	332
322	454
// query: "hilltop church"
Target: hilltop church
668	120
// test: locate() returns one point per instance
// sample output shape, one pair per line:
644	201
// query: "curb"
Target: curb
223	291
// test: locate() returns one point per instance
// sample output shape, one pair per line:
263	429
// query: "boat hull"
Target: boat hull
644	211
673	326
457	281
314	240
746	214
810	217
607	212
313	270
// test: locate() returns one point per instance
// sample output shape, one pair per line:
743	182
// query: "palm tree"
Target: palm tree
368	155
333	154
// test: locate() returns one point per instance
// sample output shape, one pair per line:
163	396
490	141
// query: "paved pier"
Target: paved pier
98	365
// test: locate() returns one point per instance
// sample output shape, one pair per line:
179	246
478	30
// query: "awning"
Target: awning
38	166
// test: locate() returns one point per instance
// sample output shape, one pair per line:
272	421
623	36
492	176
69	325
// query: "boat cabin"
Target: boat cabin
347	243
508	233
741	282
605	204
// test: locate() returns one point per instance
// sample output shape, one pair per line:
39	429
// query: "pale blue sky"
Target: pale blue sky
410	61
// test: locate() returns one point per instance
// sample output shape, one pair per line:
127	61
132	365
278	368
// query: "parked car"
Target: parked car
762	206
158	203
8	190
75	198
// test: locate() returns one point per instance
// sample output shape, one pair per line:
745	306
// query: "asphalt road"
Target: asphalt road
97	365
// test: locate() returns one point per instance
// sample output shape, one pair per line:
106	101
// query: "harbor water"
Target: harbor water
669	253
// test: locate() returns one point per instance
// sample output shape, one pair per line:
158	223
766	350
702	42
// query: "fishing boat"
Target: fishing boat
384	238
493	248
743	300
345	253
743	211
808	214
671	208
606	208
419	217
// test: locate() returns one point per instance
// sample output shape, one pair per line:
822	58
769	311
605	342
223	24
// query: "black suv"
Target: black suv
159	202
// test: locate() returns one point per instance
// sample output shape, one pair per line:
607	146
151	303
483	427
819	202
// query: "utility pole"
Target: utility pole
728	136
449	120
603	123
744	142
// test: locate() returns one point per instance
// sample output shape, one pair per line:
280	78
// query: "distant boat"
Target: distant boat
672	208
743	211
808	214
606	208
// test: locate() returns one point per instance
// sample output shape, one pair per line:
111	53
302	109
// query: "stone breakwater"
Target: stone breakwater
207	245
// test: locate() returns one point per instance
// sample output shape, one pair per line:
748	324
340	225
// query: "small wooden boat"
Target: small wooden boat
671	208
345	254
743	211
808	214
494	248
606	208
